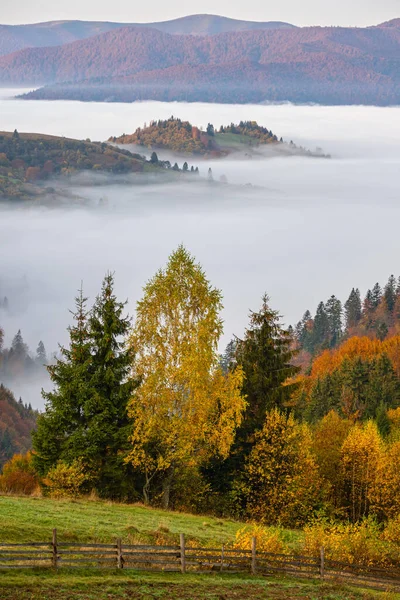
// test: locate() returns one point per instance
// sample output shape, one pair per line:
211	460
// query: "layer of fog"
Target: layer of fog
315	228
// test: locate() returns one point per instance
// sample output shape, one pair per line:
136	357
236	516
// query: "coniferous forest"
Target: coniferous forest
286	426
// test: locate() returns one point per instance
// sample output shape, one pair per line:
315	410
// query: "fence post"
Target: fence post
183	558
120	560
54	560
222	556
253	555
322	563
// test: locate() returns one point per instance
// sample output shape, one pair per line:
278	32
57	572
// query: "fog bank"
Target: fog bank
313	227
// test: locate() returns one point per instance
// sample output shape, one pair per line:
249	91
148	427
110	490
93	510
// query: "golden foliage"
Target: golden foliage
268	539
361	454
328	438
384	494
352	543
283	479
65	481
185	409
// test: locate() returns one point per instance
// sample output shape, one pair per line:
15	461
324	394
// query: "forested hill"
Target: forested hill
17	420
331	65
184	138
29	160
56	33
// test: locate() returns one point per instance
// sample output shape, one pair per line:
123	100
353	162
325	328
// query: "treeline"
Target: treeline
146	409
18	361
376	316
251	129
17	419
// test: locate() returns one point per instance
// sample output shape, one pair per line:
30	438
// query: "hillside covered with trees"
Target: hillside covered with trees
17	421
182	137
328	65
57	33
29	162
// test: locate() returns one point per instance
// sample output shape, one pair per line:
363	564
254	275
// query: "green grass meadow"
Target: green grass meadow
26	519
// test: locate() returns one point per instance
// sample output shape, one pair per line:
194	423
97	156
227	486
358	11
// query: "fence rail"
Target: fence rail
183	558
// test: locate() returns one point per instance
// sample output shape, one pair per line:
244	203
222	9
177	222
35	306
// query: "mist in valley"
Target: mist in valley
304	229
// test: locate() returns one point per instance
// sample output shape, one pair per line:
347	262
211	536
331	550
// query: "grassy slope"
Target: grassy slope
32	519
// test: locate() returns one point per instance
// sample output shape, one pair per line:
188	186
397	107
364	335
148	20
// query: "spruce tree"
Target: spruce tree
390	293
61	429
41	357
333	309
86	413
18	346
352	309
376	295
266	354
321	329
108	427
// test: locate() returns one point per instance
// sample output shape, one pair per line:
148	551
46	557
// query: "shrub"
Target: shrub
268	539
19	475
66	481
353	543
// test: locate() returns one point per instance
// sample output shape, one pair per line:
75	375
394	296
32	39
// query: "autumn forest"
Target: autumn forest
293	427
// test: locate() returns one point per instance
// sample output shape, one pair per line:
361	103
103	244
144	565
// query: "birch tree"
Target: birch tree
185	409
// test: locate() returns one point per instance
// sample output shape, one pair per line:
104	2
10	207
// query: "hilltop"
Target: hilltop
184	138
333	65
57	33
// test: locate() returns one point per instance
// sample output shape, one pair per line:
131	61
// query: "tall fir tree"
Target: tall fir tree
266	354
41	357
108	426
333	308
352	309
321	329
390	293
376	295
86	413
60	433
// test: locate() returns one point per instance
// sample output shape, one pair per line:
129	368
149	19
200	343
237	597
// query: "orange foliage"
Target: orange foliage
19	475
357	347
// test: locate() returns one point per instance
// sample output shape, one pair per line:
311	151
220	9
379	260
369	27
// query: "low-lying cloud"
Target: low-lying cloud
307	228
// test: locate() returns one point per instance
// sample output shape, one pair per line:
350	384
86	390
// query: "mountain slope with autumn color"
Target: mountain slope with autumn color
322	64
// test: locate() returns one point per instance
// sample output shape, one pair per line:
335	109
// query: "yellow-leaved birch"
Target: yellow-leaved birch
185	410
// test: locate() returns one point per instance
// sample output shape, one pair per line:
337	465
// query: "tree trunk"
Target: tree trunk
146	490
166	487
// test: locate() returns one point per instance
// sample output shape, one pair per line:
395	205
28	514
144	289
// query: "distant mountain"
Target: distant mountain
57	33
311	64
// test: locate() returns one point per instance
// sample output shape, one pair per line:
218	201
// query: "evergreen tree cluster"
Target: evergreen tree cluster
377	315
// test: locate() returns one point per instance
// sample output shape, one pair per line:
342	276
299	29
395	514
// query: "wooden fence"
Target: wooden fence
182	558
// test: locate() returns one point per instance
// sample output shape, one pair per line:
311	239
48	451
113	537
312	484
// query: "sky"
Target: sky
308	12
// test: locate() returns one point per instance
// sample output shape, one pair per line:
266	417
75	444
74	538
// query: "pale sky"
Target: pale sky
304	12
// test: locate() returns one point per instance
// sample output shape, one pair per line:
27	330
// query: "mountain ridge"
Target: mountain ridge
315	64
56	33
